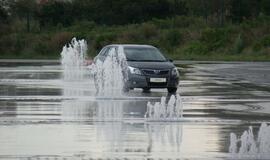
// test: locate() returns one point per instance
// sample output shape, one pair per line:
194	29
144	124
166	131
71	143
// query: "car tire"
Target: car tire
172	89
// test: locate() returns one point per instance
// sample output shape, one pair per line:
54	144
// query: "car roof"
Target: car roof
130	45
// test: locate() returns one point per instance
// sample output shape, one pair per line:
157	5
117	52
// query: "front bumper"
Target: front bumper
143	81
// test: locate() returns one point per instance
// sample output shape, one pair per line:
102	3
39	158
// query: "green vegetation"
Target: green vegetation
182	29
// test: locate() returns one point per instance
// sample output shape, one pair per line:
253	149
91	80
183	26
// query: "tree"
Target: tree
206	9
26	9
3	15
56	12
265	5
244	9
5	10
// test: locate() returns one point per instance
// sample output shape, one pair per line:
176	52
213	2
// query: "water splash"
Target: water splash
164	137
109	74
109	111
160	111
248	147
76	80
74	110
73	58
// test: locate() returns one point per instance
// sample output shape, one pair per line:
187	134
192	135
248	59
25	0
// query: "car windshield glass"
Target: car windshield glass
143	54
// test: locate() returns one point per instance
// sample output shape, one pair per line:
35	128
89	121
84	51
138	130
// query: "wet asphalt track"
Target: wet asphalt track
43	117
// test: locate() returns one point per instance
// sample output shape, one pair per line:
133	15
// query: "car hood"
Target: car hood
151	65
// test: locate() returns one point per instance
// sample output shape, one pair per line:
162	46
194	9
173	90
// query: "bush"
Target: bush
103	39
214	38
41	47
131	35
7	44
238	45
162	23
82	26
148	30
196	48
184	21
58	40
174	37
19	42
263	43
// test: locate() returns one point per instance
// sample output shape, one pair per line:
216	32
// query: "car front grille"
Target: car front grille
155	72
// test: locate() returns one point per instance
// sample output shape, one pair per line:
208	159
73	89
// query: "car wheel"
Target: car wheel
146	90
172	89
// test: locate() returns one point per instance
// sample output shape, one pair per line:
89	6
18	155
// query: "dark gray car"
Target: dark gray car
146	67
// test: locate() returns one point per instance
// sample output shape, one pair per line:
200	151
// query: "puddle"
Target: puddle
43	117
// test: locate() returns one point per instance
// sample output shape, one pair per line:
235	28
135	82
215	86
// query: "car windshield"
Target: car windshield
143	54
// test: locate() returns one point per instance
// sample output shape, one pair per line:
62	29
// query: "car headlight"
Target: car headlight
134	70
175	72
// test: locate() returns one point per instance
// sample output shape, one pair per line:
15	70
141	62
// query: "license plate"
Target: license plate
158	80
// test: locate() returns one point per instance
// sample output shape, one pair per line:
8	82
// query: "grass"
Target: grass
190	38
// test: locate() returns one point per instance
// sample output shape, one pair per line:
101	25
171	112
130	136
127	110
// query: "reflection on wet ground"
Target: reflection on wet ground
42	116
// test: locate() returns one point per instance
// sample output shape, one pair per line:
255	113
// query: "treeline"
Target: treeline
185	29
120	12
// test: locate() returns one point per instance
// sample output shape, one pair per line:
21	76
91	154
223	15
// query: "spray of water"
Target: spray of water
76	81
73	58
109	111
248	147
109	74
160	111
164	137
109	79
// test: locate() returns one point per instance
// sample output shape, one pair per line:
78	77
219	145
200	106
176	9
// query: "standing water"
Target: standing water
249	147
109	81
75	81
160	111
39	122
108	75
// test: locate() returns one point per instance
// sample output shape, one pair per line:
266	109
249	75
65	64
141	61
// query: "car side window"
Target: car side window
111	48
107	51
103	51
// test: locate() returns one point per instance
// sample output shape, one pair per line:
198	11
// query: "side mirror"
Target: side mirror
170	60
